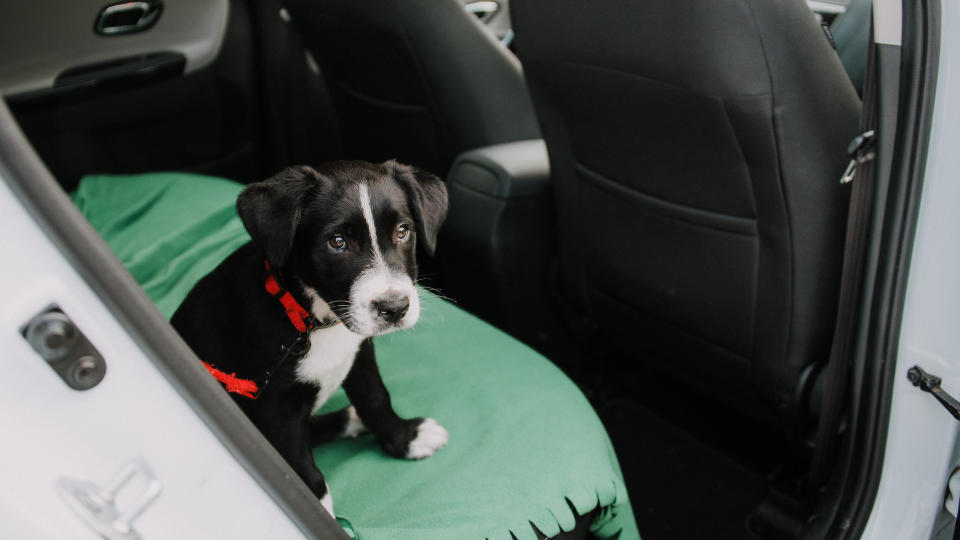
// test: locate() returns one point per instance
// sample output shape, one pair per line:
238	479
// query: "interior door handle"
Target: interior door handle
483	10
128	17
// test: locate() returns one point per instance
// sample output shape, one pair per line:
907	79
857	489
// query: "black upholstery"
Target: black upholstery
696	147
415	80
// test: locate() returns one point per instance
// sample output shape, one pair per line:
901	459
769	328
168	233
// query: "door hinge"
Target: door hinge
931	383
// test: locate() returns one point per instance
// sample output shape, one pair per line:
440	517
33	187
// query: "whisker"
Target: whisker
434	291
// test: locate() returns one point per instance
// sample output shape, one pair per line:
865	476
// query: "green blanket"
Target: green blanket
523	440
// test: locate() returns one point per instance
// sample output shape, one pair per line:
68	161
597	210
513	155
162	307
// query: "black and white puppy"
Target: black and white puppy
341	239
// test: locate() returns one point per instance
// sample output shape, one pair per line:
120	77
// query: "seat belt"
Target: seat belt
861	174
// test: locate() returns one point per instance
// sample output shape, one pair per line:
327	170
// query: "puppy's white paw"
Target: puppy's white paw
354	427
327	503
430	437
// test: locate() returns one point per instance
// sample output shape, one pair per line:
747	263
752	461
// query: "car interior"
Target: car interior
644	193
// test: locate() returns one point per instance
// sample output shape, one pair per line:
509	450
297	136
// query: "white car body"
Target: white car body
52	432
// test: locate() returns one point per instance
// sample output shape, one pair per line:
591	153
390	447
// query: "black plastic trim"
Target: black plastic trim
919	61
39	192
907	78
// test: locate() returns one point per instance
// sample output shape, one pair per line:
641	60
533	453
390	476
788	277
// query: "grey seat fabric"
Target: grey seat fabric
415	80
695	148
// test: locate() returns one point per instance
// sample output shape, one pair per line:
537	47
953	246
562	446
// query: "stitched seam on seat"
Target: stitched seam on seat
756	245
740	152
687	214
653	80
788	334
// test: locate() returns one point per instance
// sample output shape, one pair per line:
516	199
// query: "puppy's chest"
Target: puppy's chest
329	360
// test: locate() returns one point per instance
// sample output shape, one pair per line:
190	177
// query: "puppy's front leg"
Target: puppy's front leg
416	438
289	434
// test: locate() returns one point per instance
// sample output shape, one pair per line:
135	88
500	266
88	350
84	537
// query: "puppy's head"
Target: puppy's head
348	232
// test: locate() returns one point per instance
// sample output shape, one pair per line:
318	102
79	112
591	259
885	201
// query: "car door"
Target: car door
125	87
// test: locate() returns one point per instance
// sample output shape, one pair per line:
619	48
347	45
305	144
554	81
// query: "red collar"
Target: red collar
301	319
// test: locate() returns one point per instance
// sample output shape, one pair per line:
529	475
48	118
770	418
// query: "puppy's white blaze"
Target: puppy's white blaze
430	437
327	502
368	217
354	427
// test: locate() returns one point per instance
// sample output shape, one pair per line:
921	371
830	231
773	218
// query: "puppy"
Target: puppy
290	316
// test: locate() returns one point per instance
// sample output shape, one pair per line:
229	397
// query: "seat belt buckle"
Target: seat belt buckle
861	150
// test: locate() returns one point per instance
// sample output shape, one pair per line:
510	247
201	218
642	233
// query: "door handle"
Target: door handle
128	17
483	10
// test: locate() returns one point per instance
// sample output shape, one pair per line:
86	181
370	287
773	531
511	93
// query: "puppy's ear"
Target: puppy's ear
270	210
427	196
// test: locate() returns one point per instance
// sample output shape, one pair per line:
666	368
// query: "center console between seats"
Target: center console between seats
498	241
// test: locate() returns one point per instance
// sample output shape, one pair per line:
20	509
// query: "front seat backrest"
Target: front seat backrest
695	147
415	80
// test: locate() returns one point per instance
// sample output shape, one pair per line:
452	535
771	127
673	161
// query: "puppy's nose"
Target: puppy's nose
391	308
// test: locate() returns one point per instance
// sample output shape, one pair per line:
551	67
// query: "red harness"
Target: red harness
301	319
234	384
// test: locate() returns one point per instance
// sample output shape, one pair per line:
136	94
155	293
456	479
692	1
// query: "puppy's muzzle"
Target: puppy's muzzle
390	308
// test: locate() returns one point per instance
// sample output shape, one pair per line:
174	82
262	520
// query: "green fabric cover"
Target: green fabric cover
523	439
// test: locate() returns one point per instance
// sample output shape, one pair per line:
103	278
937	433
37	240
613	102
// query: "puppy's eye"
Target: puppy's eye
337	243
401	234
